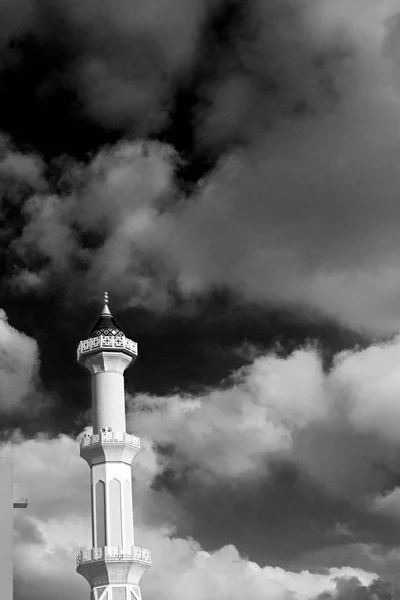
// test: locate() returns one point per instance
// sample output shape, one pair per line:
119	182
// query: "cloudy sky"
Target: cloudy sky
229	171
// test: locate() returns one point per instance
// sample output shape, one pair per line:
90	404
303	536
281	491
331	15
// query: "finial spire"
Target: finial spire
106	310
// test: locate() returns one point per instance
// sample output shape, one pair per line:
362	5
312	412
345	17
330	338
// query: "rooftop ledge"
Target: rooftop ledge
106	342
110	437
114	553
21	503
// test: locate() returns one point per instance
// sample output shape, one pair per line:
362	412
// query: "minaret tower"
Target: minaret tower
114	565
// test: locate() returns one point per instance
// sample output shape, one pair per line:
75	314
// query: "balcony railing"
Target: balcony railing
110	437
116	553
106	342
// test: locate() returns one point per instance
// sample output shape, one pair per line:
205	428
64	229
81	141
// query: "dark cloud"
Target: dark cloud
263	63
27	532
300	100
352	589
201	75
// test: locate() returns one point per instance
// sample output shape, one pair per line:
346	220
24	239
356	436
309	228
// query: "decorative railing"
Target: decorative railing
105	342
110	437
134	553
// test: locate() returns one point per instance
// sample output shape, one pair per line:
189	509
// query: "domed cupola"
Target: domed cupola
105	337
106	324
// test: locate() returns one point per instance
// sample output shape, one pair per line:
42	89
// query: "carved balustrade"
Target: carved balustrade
106	342
110	437
133	553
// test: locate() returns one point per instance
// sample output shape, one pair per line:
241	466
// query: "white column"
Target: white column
108	389
108	401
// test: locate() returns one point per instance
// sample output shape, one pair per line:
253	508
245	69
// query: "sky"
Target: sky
228	171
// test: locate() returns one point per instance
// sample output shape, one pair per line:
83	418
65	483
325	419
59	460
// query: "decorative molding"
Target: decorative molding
110	437
115	331
106	342
114	553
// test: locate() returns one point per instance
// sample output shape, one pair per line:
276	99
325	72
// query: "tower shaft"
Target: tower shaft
114	565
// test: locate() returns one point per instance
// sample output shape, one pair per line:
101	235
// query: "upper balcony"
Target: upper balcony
115	553
106	342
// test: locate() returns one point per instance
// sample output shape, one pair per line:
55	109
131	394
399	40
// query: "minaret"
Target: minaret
114	565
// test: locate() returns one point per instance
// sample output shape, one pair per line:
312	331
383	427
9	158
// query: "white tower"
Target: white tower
114	565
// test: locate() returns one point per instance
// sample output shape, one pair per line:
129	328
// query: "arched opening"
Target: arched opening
100	500
115	513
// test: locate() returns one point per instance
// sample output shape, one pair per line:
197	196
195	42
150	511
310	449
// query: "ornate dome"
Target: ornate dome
106	324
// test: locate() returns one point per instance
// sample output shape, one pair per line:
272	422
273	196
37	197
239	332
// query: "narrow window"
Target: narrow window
128	516
100	513
115	513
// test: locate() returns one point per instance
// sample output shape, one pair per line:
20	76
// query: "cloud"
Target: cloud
387	504
21	174
45	561
330	184
330	423
352	589
130	62
231	433
225	573
253	227
289	440
298	101
19	364
366	376
19	168
16	21
309	178
127	65
327	183
335	425
105	230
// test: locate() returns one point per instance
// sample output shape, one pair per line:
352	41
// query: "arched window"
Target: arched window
128	516
115	513
100	499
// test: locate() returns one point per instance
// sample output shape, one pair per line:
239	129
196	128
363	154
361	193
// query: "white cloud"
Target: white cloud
370	380
19	363
192	574
45	563
232	433
337	426
388	504
116	200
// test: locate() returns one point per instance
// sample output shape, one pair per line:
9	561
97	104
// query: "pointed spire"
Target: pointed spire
106	311
106	324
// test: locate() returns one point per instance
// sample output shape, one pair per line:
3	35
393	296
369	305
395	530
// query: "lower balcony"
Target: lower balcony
109	446
114	553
